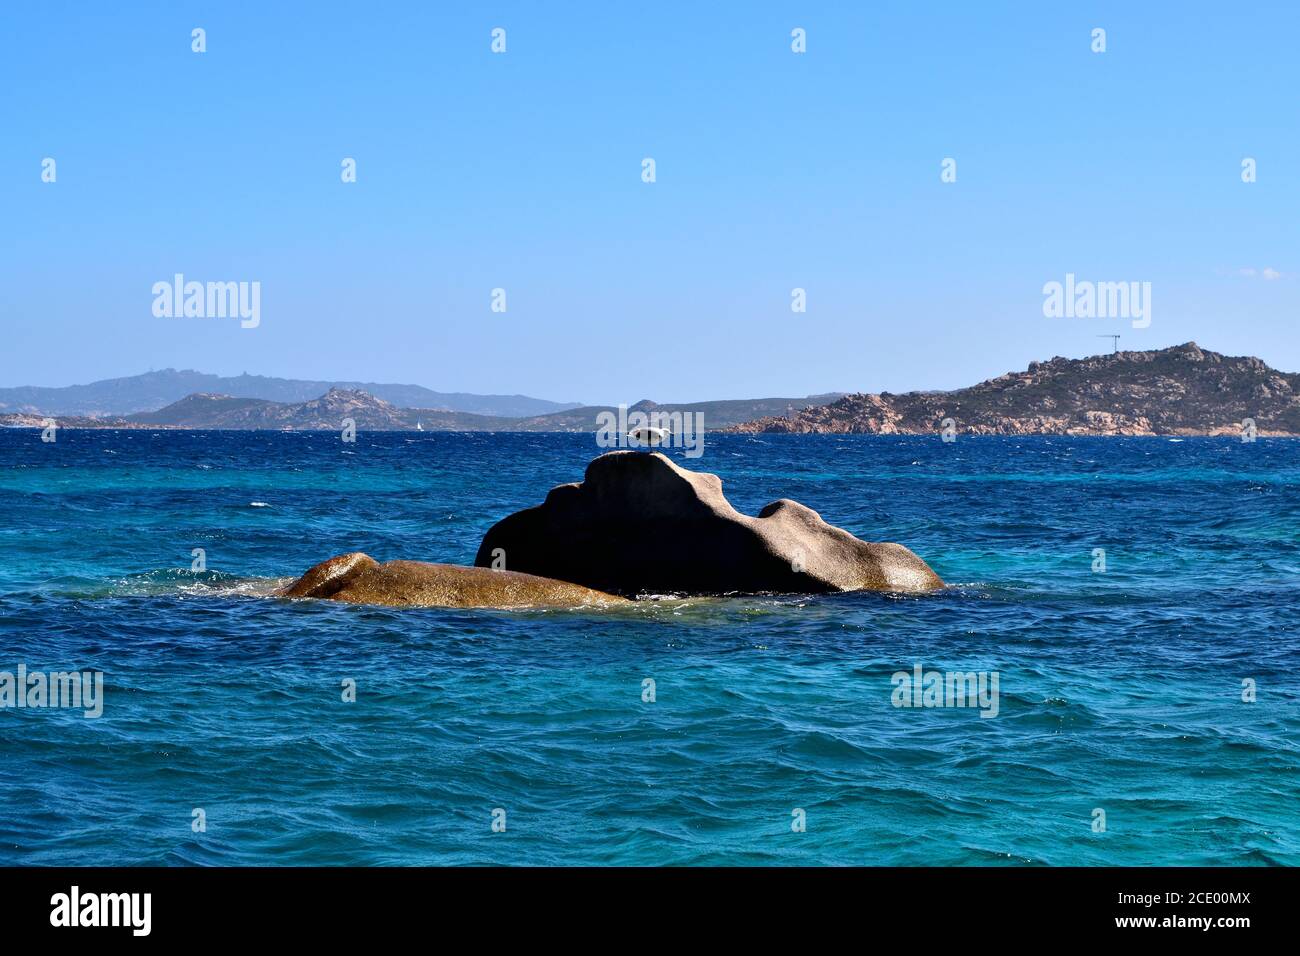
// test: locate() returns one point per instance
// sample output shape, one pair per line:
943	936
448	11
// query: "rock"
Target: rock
359	579
328	578
639	523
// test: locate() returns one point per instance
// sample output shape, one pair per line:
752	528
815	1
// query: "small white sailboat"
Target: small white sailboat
418	426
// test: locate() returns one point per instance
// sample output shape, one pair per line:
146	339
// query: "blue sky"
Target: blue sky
522	171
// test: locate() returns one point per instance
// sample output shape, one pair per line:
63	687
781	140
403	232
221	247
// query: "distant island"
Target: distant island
152	390
205	410
1183	390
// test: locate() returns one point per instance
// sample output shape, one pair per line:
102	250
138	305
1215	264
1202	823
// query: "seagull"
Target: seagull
648	435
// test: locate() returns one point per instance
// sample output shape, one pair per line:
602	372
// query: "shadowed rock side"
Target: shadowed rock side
359	579
639	523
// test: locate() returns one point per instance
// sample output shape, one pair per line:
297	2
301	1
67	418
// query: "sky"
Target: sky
523	171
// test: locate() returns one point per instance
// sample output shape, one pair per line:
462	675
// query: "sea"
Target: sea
1132	601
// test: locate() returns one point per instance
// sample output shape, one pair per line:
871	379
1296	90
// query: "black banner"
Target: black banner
331	905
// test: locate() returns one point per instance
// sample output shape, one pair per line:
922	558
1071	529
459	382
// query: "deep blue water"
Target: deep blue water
1119	691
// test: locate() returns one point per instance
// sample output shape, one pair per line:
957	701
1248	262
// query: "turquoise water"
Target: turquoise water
1119	691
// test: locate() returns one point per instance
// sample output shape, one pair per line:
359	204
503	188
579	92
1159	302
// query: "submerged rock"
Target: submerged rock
359	579
638	523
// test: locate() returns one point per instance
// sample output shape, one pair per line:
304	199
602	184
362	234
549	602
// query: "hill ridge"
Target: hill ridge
152	390
1180	390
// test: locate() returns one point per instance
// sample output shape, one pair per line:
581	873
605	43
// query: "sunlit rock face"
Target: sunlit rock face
358	578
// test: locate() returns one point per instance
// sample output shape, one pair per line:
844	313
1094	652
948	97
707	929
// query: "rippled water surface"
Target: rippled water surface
1119	691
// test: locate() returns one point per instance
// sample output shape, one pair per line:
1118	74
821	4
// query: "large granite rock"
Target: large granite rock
639	523
360	579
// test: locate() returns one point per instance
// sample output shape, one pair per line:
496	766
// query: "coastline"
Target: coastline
37	423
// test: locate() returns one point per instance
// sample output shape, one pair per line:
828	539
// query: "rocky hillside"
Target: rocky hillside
1183	390
140	393
219	411
375	414
319	414
717	415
